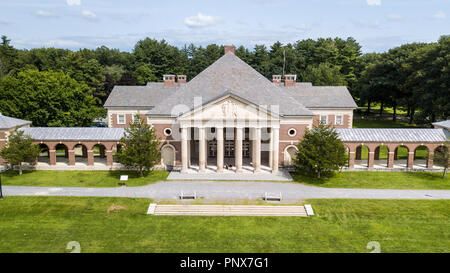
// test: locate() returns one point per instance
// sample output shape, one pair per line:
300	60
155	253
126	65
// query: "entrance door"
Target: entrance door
168	157
229	148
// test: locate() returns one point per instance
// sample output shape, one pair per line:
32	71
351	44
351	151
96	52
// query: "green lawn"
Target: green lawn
379	180
98	179
368	123
47	224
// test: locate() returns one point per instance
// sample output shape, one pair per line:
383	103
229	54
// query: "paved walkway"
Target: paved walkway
212	191
229	175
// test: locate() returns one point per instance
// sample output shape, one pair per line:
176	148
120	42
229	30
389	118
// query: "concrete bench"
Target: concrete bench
184	195
272	197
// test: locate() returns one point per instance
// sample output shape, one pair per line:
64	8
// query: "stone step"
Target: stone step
229	210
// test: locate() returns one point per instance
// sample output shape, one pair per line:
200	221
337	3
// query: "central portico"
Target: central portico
233	132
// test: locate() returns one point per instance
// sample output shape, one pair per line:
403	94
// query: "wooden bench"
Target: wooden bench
272	197
184	195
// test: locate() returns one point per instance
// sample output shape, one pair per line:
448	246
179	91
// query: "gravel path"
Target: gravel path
226	191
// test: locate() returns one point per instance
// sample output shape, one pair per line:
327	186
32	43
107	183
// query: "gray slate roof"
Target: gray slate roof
9	122
227	75
444	124
322	96
393	135
75	134
139	96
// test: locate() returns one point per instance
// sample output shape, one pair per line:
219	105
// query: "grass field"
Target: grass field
100	179
47	224
379	180
368	123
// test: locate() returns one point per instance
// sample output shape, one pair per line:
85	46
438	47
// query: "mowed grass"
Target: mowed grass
101	179
378	180
48	224
369	123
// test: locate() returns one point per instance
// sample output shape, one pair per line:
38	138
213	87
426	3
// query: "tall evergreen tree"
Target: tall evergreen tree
321	152
140	147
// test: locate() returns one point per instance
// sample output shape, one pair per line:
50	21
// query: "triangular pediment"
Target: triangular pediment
232	108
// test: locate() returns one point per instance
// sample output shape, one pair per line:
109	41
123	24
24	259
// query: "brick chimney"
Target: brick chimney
181	79
290	80
276	79
169	80
230	48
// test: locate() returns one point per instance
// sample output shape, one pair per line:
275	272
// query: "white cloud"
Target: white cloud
373	2
440	15
201	20
73	2
394	17
42	13
88	14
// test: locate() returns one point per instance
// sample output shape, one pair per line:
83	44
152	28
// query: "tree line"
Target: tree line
59	87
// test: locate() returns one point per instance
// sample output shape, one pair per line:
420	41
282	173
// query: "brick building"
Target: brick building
231	116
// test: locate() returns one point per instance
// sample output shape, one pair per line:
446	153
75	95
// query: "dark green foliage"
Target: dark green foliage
140	147
321	152
20	149
48	99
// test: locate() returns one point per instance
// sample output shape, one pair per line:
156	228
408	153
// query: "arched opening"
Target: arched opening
438	156
290	153
81	154
44	155
381	157
99	154
168	156
62	154
401	157
420	157
362	157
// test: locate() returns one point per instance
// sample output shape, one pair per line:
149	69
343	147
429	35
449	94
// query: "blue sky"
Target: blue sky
376	24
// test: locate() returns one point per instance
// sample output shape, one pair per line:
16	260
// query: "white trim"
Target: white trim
326	119
124	119
294	134
171	131
287	154
336	118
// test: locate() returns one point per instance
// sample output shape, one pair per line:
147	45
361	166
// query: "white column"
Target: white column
184	150
202	150
253	142
257	167
275	149
271	149
220	151
189	146
238	149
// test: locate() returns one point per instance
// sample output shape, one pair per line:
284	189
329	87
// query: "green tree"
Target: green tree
442	157
8	57
19	149
321	152
141	147
144	74
323	75
48	98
